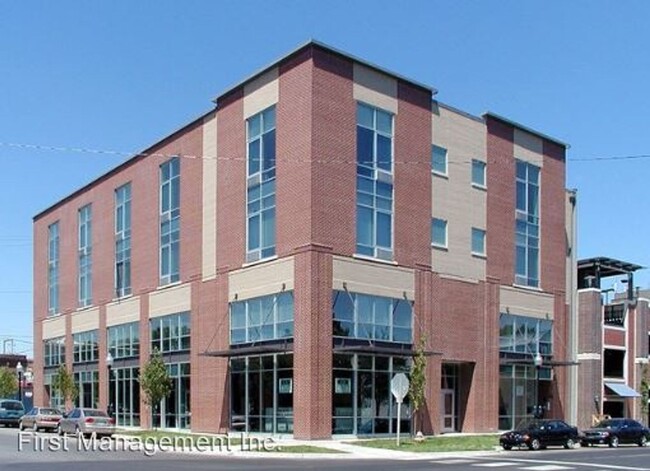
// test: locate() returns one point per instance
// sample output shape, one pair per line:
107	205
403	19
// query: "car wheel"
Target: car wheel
535	444
20	426
507	447
59	430
613	442
643	441
77	432
569	444
35	427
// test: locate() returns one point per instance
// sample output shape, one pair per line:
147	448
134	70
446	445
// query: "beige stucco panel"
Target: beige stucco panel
454	198
54	327
524	302
123	312
88	319
377	279
261	280
209	243
528	147
374	88
170	300
261	93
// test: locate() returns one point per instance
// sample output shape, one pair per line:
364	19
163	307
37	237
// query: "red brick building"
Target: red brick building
287	250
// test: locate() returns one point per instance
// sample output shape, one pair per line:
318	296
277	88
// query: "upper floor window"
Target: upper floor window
53	268
123	241
527	224
170	220
439	160
124	340
478	173
260	182
522	334
374	182
85	256
86	347
54	351
439	232
478	241
170	333
264	318
372	317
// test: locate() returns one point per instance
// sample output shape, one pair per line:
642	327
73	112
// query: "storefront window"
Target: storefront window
125	396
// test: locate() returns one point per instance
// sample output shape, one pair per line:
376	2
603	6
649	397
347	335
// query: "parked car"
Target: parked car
44	418
540	434
83	421
617	431
10	412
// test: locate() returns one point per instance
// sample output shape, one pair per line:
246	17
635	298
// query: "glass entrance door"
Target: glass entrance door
448	401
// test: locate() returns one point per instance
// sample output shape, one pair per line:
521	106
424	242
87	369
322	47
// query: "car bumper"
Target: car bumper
47	424
512	442
9	420
99	430
594	440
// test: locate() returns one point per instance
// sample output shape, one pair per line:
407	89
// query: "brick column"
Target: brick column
145	410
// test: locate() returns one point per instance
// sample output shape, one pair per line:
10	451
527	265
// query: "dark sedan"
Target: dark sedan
613	432
540	434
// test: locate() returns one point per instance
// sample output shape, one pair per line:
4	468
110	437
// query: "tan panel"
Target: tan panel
529	147
261	280
53	327
454	198
170	300
373	278
209	243
261	93
374	88
87	319
123	312
526	303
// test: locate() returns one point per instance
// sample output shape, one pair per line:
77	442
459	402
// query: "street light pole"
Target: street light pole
537	361
109	365
19	370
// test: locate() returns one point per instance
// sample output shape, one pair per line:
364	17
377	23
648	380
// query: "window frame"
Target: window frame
483	233
169	217
446	227
122	245
530	221
483	164
53	269
435	171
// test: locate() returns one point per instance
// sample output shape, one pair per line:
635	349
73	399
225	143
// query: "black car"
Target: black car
617	431
540	434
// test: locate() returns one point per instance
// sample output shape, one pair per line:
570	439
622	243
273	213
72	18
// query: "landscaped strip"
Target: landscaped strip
436	444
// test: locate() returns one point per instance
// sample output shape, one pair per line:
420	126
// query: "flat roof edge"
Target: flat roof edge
459	111
526	128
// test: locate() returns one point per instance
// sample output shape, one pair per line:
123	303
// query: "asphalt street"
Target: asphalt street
27	452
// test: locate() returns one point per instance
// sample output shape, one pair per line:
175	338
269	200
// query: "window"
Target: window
54	352
170	221
85	256
613	363
87	383
439	160
171	333
439	232
260	181
123	241
478	173
374	182
615	315
85	347
53	268
372	317
478	241
529	335
124	340
263	318
527	225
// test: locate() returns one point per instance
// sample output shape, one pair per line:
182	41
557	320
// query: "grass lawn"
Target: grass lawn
436	444
303	449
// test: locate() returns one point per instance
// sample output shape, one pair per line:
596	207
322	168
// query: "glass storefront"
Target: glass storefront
88	387
56	400
518	393
261	393
125	396
174	411
362	403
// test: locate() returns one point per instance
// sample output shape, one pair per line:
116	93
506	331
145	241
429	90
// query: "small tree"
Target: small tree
418	382
64	386
155	381
645	391
8	382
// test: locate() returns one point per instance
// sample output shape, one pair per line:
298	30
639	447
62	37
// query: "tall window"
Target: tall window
170	333
527	225
170	220
439	232
264	318
54	351
53	268
124	340
374	182
85	256
260	181
86	347
478	241
478	173
123	241
439	160
528	335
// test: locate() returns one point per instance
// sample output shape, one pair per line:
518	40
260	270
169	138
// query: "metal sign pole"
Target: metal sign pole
399	417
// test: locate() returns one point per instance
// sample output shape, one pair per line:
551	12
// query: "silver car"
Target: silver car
44	418
84	421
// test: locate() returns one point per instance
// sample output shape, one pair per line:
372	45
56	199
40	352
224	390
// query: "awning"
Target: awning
622	390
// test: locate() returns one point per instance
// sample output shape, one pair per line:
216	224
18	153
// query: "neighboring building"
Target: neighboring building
613	341
287	250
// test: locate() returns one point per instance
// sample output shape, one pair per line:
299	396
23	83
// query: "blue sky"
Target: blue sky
120	75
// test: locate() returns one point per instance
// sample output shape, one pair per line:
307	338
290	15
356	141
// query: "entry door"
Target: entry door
448	401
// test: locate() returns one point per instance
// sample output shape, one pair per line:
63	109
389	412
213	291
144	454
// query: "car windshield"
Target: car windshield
11	405
95	413
535	425
49	412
